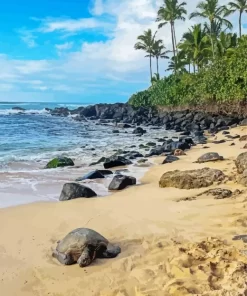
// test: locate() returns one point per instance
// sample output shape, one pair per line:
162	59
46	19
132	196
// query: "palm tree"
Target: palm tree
146	43
159	52
169	13
226	44
211	10
177	63
195	45
238	5
155	78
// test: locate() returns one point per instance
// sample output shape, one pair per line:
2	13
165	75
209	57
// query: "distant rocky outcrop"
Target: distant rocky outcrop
125	116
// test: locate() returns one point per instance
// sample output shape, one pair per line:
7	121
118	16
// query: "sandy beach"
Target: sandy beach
168	247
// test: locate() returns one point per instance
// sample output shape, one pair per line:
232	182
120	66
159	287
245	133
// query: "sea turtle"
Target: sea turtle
83	245
211	156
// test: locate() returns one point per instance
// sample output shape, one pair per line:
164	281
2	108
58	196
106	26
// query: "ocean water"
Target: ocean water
30	139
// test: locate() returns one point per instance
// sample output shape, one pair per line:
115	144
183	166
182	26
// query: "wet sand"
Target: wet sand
168	247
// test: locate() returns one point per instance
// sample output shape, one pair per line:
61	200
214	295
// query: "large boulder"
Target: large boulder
171	147
92	175
241	162
120	182
115	161
74	190
59	162
242	179
191	179
211	156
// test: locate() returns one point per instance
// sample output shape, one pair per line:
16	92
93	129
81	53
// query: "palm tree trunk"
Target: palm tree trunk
150	65
211	36
175	39
173	45
157	61
240	24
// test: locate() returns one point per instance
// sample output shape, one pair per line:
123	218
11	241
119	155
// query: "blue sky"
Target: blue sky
77	50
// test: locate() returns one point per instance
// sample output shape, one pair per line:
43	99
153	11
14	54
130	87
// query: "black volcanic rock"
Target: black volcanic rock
63	112
115	161
75	190
170	159
120	182
91	176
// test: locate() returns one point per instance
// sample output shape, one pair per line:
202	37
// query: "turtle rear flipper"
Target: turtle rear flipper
242	237
112	251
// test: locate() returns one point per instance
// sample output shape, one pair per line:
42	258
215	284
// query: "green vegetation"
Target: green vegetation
209	64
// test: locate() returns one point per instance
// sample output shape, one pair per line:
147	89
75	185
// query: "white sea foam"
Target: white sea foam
31	111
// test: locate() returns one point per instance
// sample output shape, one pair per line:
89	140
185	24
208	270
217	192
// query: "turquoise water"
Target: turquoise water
36	134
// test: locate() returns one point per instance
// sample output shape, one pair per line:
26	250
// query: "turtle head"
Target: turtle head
84	260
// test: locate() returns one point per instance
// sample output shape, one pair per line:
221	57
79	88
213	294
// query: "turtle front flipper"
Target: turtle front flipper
86	258
111	252
64	259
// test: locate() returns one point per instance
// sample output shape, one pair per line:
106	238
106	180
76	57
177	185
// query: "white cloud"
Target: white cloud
98	7
70	25
31	67
28	38
64	46
41	88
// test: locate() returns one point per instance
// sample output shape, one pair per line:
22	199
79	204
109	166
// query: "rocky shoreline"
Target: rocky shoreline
191	126
123	115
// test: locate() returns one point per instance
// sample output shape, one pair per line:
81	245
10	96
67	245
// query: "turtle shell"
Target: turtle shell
78	239
211	156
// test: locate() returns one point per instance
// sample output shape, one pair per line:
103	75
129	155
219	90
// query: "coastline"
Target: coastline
148	223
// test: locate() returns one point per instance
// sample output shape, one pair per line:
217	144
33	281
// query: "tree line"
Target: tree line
202	45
